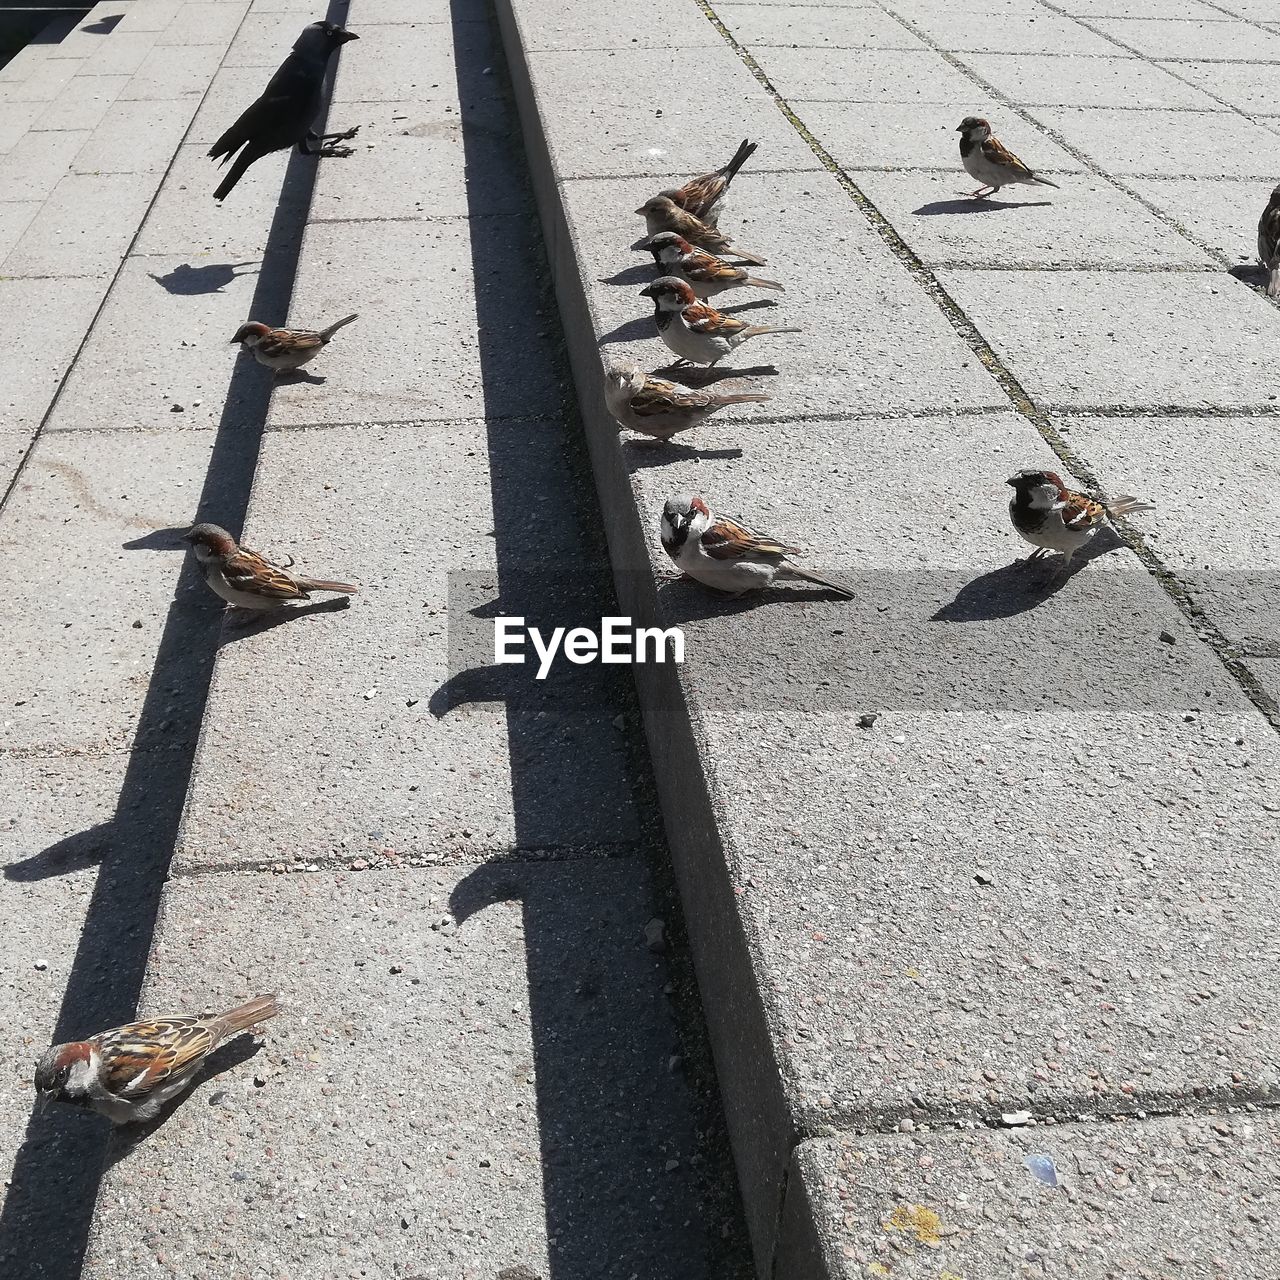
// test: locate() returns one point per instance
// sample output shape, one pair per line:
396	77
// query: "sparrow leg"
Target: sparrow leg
982	193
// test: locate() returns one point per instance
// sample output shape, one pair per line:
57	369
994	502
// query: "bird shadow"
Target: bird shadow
1020	586
630	275
642	454
754	305
697	376
1254	274
188	281
292	377
636	330
104	25
983	204
684	600
240	624
641	245
224	1058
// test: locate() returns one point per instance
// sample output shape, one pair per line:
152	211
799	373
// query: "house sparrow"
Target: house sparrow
285	349
1269	243
246	579
1052	517
287	109
706	274
128	1073
694	331
661	409
661	213
700	196
723	554
990	161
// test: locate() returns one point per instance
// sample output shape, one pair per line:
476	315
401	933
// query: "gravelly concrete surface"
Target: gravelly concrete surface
973	843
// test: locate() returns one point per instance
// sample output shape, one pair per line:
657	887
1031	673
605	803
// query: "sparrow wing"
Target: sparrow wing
706	268
248	571
997	153
704	319
1079	511
726	539
283	342
659	397
139	1057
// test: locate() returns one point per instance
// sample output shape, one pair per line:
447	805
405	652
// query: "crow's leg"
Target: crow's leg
326	141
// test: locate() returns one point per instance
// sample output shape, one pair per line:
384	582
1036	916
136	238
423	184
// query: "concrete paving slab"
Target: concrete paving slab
906	357
873	75
87	34
470	164
420	273
1187	1194
608	137
1091	223
149	15
230	91
122	53
550	1134
1143	9
89	612
15	218
1194	469
36	163
45	82
418	776
649	24
1221	212
34	360
1135	143
1046	326
264	39
1015	32
797	26
1156	38
122	383
1073	80
85	226
417	62
82	104
205	24
1253	10
216	241
1248	86
174	71
136	137
15	120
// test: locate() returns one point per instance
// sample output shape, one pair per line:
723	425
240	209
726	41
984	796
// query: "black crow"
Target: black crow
287	109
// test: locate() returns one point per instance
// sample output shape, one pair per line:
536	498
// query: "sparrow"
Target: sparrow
128	1073
285	349
287	109
721	553
248	580
1052	517
706	274
1269	243
696	332
661	409
990	161
661	213
700	196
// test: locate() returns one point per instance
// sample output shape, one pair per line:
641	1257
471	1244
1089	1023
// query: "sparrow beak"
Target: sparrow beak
43	1098
647	291
640	211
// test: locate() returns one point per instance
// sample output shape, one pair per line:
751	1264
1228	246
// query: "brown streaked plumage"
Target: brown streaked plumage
700	196
661	213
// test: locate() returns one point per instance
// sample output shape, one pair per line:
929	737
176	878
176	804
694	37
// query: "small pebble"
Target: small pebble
42	965
867	720
655	935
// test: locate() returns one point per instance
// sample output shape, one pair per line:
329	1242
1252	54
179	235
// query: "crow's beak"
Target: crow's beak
349	35
960	128
1012	481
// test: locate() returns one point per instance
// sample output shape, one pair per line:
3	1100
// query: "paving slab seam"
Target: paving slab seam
111	282
631	177
41	751
1228	16
1067	268
1038	416
426	217
443	856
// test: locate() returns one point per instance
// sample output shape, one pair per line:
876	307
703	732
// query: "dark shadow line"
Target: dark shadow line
48	1213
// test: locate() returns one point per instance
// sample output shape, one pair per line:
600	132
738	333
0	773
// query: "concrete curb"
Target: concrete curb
760	1127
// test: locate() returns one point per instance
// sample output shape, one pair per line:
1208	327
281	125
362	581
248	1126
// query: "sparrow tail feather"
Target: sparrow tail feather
259	1009
321	584
740	157
765	284
808	575
1126	505
743	397
757	329
328	333
1044	182
735	252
